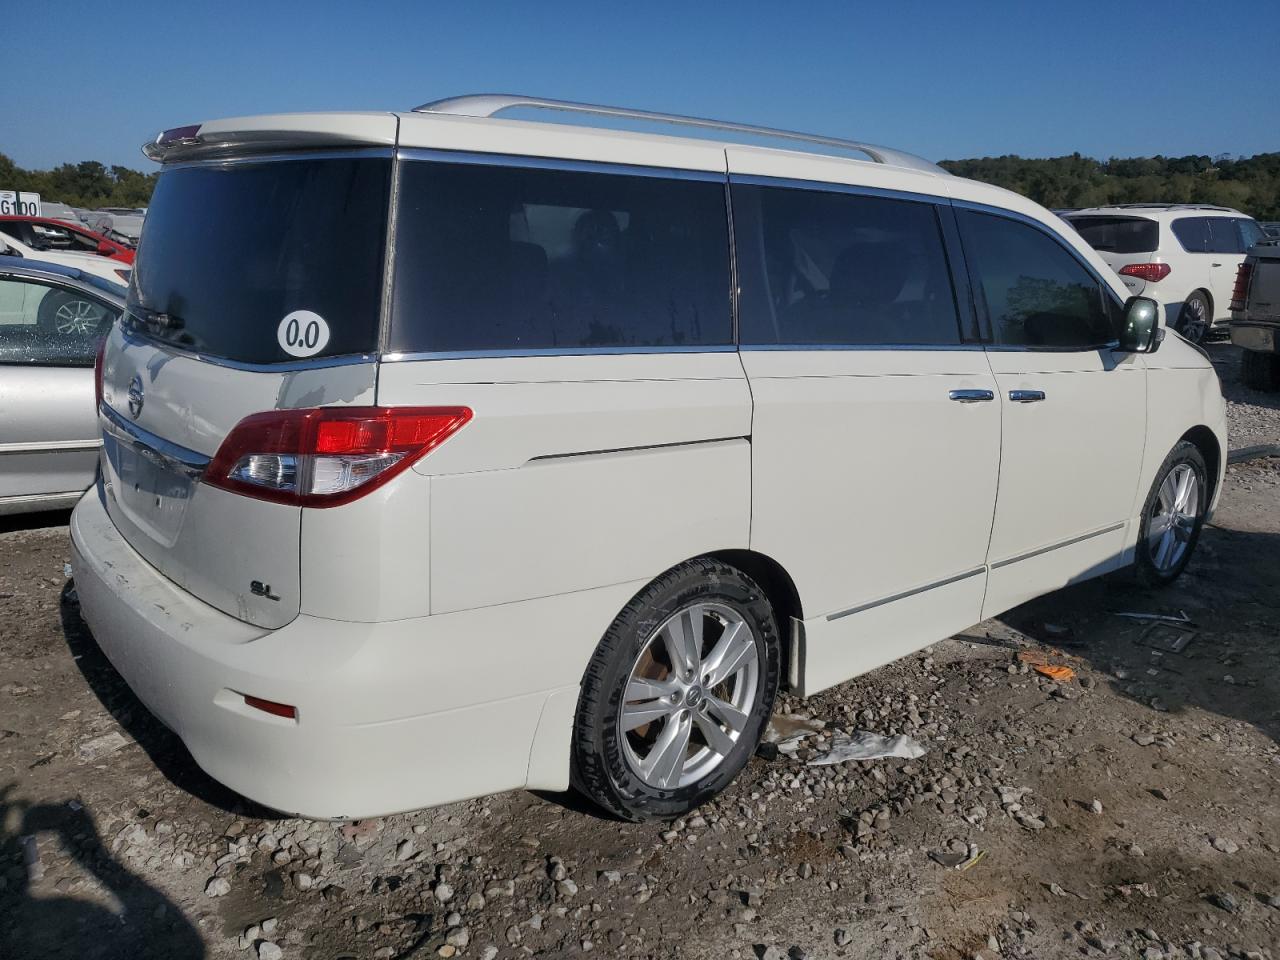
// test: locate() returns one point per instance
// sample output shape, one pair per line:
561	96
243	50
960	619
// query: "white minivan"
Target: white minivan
447	454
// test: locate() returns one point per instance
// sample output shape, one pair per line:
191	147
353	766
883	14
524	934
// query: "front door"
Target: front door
1073	410
875	433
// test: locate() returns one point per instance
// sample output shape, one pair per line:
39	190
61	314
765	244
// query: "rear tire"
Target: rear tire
653	737
1260	371
1172	516
1195	318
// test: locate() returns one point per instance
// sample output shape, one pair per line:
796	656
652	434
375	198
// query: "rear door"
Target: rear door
876	434
1073	409
235	251
49	335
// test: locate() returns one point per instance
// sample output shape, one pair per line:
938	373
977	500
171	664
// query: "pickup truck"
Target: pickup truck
1255	316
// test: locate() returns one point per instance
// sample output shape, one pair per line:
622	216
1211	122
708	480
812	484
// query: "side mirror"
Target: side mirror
1142	332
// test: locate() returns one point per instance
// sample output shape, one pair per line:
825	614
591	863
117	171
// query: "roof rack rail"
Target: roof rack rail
1164	206
490	104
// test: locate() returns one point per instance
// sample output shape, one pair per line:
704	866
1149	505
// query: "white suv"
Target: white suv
1183	255
584	442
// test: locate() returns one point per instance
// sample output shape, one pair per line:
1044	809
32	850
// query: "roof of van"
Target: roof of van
1155	210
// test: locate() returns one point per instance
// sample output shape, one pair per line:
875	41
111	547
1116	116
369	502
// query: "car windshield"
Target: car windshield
1118	234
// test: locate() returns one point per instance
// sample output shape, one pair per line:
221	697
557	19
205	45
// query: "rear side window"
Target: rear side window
1251	232
1037	294
1118	234
834	268
230	250
504	258
1224	235
1192	233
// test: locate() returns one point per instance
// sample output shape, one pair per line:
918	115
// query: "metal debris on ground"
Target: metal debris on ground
864	745
1166	637
990	641
1181	618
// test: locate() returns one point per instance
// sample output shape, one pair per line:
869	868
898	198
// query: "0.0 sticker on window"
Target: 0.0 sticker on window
302	333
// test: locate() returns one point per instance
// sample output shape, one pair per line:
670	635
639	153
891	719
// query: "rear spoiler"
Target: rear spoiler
269	134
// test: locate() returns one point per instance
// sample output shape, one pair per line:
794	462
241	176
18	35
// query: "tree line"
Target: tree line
85	184
1251	184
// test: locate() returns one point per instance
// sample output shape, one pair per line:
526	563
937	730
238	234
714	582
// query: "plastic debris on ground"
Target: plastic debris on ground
1055	672
786	730
1181	618
864	745
102	746
957	861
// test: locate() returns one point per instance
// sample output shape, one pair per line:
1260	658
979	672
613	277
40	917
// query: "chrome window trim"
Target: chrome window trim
435	155
135	336
857	347
189	463
551	352
826	186
276	156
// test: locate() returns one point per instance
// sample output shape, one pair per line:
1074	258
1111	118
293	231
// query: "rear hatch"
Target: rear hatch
1122	241
257	288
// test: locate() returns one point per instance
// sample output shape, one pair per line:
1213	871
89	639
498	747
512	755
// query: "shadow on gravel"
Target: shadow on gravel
164	748
34	521
145	924
1228	668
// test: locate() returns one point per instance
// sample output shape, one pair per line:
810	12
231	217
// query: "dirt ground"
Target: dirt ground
1129	812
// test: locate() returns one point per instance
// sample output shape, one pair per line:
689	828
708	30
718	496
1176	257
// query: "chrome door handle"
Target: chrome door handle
1215	264
1026	396
971	396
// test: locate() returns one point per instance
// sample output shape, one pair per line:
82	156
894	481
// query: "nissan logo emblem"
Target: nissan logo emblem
135	396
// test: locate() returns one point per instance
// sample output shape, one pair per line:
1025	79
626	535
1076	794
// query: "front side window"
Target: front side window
506	258
836	268
1037	294
48	325
1192	233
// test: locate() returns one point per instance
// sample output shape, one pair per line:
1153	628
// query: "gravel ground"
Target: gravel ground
1128	812
1253	417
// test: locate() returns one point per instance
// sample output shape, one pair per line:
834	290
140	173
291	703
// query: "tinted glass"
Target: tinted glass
511	258
43	324
836	268
1192	233
230	250
1251	232
1037	294
1224	235
1118	234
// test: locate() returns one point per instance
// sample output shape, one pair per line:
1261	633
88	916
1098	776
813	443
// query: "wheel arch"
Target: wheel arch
780	588
1206	441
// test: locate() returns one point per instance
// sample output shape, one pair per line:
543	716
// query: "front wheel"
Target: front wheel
1173	516
1195	318
678	693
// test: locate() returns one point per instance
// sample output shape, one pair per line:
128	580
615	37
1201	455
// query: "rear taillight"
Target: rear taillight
1150	272
1244	280
97	373
327	456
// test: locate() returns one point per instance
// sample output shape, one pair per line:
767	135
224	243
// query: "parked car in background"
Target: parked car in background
60	211
1255	317
571	490
120	223
1183	255
45	233
52	320
113	270
1271	228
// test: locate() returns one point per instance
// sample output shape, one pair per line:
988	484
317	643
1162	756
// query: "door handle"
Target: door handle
1026	396
1215	264
971	396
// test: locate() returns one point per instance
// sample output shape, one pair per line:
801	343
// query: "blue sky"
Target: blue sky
947	80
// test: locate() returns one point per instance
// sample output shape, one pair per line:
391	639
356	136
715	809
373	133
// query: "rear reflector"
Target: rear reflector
271	707
1244	280
1151	272
327	456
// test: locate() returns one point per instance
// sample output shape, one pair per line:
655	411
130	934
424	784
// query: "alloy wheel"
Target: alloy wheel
1173	517
689	695
77	317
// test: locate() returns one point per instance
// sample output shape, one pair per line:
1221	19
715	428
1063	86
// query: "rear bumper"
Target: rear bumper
387	720
1258	336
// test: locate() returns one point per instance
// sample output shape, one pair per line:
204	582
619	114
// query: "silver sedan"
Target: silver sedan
52	319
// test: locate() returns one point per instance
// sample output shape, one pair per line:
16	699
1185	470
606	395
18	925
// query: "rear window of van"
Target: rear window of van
231	250
508	258
1118	234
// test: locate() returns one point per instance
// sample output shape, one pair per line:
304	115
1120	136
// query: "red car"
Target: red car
45	233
